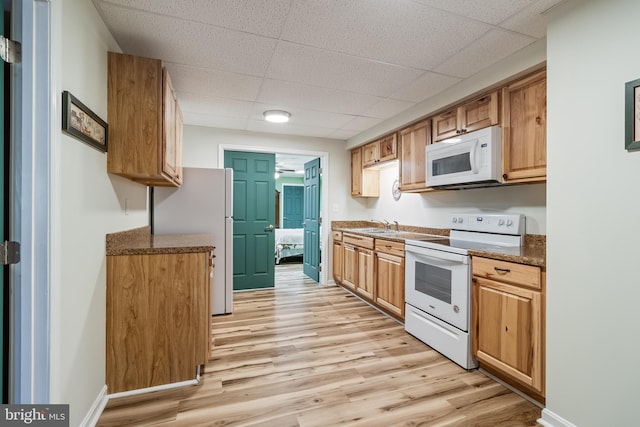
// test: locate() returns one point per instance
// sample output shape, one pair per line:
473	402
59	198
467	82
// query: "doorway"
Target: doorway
284	171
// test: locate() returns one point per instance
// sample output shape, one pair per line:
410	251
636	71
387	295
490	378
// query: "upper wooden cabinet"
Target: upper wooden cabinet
412	151
524	129
478	113
379	151
145	122
364	182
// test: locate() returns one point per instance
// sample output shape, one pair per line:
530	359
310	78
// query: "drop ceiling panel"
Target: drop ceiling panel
494	46
314	97
490	11
387	108
339	66
425	86
263	17
214	83
395	31
303	116
531	20
191	102
319	67
188	42
288	129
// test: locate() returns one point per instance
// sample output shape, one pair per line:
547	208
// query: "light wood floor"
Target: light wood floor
307	355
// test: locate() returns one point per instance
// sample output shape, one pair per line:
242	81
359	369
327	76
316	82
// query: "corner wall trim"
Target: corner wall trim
92	417
550	419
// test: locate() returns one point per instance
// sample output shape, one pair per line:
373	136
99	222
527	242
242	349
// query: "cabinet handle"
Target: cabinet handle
505	176
387	246
502	270
538	120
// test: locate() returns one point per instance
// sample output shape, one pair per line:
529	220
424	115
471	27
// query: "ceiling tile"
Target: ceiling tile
387	108
302	64
213	83
263	17
314	97
190	102
361	123
185	42
303	116
209	120
494	46
490	11
395	31
342	134
287	128
531	21
425	86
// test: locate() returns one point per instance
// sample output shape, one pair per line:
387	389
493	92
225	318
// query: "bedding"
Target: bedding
289	242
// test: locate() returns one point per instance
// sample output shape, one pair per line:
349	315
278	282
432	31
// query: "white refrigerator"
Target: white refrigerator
203	204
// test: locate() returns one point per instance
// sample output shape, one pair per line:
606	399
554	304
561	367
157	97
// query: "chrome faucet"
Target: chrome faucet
384	222
397	227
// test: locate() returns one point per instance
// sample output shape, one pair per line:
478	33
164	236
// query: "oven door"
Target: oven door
438	283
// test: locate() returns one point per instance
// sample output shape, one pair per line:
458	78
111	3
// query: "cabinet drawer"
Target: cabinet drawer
502	271
390	247
355	240
337	236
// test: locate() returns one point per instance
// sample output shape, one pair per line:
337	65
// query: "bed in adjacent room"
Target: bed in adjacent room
289	243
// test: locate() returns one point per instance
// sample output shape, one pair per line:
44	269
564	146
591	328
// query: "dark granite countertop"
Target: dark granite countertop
533	252
139	241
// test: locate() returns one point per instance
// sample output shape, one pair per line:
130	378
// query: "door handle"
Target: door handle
269	228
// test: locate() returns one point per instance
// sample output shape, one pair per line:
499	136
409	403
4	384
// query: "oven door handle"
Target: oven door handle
437	257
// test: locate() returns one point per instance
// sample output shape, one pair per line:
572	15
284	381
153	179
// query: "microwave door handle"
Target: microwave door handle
474	162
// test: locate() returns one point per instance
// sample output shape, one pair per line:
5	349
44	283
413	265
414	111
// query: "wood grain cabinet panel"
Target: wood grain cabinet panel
524	129
158	316
358	269
145	121
390	283
338	256
413	143
364	182
508	323
478	113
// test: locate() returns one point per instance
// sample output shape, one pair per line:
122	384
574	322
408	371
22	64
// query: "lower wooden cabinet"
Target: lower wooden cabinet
372	268
338	256
390	283
508	322
158	318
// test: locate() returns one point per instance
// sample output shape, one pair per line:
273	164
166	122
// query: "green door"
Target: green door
311	224
254	212
292	206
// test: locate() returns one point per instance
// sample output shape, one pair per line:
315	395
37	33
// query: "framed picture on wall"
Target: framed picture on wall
632	115
82	123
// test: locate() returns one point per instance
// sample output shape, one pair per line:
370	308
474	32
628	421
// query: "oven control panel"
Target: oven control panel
489	223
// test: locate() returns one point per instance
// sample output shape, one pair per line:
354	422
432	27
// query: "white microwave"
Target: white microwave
468	160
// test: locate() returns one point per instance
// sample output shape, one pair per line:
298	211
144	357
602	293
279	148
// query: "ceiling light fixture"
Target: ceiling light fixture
277	116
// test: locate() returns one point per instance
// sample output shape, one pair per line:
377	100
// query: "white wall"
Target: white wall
593	279
432	209
89	204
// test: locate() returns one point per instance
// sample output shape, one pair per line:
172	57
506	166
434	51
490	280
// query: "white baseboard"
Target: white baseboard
550	419
92	417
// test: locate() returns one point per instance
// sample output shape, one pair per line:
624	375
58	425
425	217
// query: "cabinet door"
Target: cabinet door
350	267
524	129
508	330
371	154
356	172
445	125
170	120
338	258
388	148
390	283
480	113
366	273
364	182
413	143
